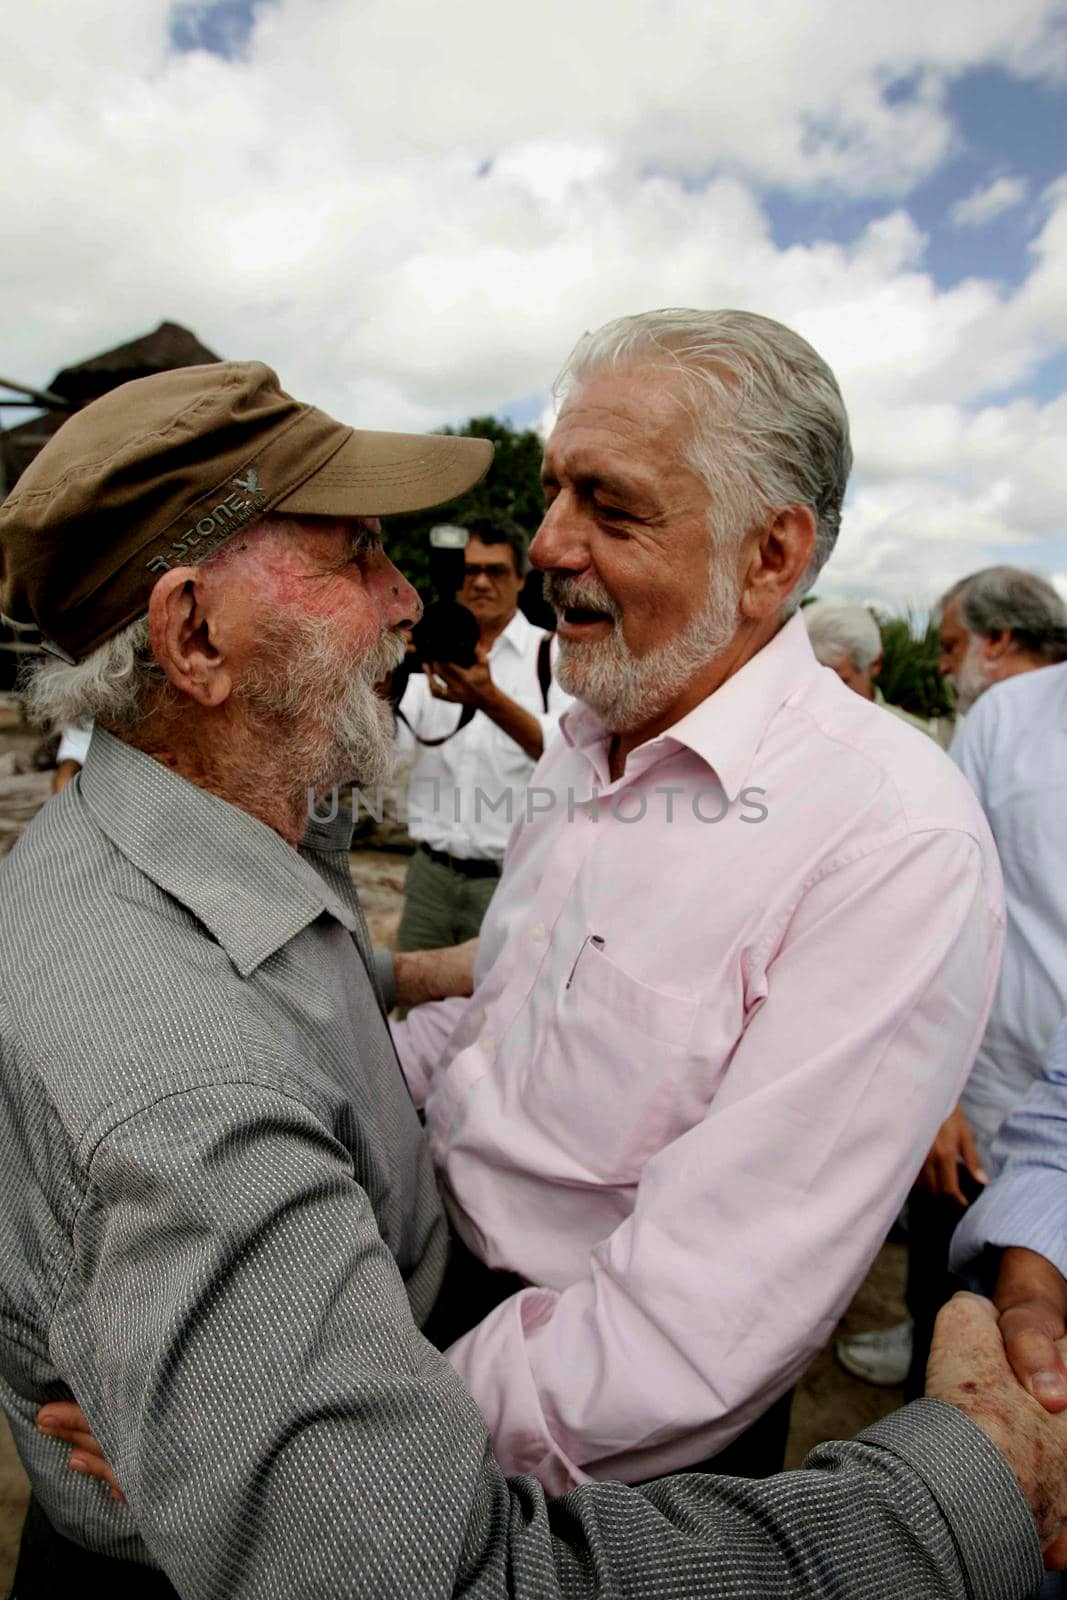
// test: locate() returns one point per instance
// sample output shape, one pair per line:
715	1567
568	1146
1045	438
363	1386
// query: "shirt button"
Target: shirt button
537	933
487	1042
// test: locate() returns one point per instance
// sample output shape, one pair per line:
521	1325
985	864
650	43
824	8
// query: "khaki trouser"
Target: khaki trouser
441	905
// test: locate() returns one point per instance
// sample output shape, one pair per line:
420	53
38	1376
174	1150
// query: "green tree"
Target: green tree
512	486
910	675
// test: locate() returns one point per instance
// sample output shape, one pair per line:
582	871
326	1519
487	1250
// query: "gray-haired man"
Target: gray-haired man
995	624
847	639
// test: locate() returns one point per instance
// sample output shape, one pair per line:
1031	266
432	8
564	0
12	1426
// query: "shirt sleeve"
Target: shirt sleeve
420	1041
280	1427
750	1233
1026	1204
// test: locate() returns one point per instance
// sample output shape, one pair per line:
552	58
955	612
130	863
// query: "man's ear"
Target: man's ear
179	626
997	645
778	553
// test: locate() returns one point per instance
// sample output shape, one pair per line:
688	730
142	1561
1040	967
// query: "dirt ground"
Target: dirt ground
829	1404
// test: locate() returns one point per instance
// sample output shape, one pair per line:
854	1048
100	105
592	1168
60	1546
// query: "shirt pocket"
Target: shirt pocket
622	1088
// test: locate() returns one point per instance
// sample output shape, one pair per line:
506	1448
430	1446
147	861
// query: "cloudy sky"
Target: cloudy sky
413	209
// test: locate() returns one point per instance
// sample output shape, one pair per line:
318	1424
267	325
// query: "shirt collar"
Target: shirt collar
251	890
725	729
516	634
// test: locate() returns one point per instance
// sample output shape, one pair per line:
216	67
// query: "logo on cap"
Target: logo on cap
208	532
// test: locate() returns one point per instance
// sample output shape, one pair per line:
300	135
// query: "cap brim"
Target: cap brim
381	474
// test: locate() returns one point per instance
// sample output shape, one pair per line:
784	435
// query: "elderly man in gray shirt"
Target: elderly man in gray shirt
218	1222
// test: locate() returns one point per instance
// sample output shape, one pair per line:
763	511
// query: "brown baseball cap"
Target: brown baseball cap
161	471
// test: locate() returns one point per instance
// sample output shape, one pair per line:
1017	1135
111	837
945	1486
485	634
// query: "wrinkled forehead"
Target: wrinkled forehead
284	565
624	428
299	544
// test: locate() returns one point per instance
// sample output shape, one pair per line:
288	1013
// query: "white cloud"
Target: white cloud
988	201
414	223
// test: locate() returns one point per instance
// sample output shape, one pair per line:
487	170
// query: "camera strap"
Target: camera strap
544	668
544	679
465	716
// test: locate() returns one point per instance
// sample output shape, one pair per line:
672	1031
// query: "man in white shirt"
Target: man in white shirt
469	774
998	624
1015	624
1013	750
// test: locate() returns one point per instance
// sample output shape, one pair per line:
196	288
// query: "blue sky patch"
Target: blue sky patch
1005	127
221	27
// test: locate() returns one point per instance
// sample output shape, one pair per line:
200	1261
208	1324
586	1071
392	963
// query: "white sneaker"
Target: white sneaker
881	1356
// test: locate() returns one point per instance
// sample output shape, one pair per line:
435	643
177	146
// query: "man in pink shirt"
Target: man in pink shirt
744	945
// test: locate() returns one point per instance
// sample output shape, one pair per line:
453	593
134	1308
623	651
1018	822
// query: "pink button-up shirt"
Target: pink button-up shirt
704	1059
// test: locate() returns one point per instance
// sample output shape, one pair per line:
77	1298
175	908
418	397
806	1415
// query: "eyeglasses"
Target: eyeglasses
496	570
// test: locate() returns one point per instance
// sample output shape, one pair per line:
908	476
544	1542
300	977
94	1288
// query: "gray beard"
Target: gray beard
626	690
320	708
974	677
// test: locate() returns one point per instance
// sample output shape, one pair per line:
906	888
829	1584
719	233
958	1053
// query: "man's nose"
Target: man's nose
559	544
400	604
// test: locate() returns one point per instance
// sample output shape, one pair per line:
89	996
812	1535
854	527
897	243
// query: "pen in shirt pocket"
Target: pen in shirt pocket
598	944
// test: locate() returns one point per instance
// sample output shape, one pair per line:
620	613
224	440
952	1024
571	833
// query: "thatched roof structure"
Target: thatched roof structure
169	345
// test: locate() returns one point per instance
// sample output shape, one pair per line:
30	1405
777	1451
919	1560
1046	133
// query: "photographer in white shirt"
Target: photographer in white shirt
469	774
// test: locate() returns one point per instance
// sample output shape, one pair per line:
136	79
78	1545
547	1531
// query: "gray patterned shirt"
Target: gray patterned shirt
219	1229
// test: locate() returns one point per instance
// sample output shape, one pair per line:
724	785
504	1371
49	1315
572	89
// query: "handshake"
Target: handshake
1004	1369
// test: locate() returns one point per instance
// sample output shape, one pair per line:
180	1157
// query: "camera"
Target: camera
447	631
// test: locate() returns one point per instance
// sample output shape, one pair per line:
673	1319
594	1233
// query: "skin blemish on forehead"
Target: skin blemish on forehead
315	566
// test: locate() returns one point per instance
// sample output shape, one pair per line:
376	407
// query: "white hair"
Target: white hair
837	630
120	681
626	690
314	697
770	426
114	685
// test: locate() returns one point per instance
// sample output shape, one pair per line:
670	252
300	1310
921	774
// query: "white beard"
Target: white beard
974	677
627	690
330	724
